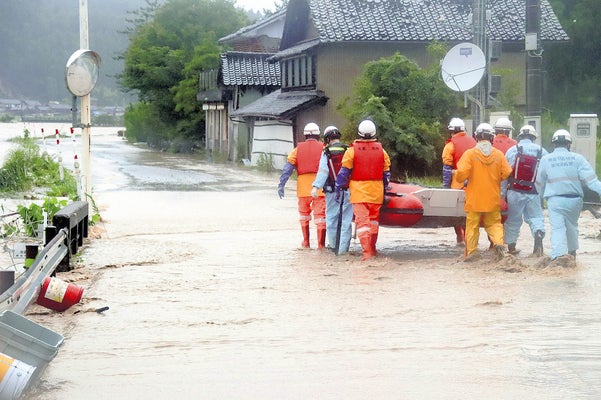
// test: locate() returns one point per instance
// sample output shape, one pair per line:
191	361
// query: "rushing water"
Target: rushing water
210	298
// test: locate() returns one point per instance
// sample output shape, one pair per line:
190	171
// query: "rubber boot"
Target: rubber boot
511	249
305	229
572	253
499	252
374	239
538	243
366	247
321	238
460	233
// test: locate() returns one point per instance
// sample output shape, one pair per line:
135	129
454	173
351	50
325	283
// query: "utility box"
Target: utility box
583	130
535	122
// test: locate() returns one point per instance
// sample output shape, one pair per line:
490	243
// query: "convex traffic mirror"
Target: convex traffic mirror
81	72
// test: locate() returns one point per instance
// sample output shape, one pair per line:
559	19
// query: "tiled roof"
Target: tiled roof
424	20
281	105
250	28
249	69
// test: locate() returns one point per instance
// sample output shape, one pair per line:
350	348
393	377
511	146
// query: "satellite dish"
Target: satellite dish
463	67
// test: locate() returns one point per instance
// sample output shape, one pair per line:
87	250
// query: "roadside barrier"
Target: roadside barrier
73	218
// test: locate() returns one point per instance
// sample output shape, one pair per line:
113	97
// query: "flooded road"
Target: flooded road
211	298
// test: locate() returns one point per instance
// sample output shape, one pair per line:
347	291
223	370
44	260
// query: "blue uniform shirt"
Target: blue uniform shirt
562	173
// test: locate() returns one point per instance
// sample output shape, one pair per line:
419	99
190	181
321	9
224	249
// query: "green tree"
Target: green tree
166	54
410	106
573	80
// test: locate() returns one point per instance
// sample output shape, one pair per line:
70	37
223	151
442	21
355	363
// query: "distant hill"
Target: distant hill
37	38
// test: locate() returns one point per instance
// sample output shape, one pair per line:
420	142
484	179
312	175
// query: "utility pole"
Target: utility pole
534	61
480	40
84	43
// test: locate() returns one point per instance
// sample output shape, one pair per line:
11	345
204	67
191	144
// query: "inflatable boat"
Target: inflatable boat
410	205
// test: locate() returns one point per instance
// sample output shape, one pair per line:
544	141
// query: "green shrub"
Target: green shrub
25	169
265	163
33	215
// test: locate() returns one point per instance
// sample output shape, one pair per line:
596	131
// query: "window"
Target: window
298	72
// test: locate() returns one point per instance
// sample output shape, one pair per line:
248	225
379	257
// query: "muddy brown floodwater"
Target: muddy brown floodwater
210	297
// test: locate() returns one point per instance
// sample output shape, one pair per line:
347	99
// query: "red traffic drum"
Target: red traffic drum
59	295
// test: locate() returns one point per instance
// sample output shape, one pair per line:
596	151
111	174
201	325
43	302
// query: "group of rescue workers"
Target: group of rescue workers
353	179
337	182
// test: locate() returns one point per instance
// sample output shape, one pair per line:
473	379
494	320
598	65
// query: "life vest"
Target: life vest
368	163
524	171
334	152
308	154
461	143
503	143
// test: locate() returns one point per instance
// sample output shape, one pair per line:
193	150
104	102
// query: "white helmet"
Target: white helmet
485	131
528	130
311	129
330	132
561	136
367	129
504	124
456	125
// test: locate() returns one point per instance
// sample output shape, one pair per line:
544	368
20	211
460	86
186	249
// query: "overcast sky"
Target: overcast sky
257	5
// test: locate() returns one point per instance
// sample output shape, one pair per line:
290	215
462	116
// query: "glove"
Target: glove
286	172
447	176
386	180
314	192
342	179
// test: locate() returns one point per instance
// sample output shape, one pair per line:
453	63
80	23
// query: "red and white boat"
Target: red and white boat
408	205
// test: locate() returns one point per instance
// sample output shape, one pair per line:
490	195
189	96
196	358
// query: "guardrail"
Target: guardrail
24	343
74	219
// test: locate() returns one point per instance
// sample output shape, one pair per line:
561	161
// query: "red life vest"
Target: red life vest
308	154
335	153
368	163
503	143
524	171
461	143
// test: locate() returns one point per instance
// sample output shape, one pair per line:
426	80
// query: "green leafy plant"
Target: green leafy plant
33	214
95	218
265	163
25	169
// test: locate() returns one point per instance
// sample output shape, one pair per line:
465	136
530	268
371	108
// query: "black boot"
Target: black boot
572	253
538	243
511	249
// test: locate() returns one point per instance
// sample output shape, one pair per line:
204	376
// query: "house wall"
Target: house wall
272	139
338	64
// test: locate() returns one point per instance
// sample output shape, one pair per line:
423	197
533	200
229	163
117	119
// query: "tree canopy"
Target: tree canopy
406	103
166	54
573	81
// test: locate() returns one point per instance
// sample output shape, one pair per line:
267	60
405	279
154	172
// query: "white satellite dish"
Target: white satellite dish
463	67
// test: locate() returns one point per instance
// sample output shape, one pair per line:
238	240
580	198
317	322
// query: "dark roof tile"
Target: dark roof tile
281	105
249	69
424	20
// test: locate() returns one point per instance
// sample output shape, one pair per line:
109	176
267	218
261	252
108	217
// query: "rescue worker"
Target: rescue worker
484	167
560	178
523	201
456	145
305	159
366	171
503	130
339	214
